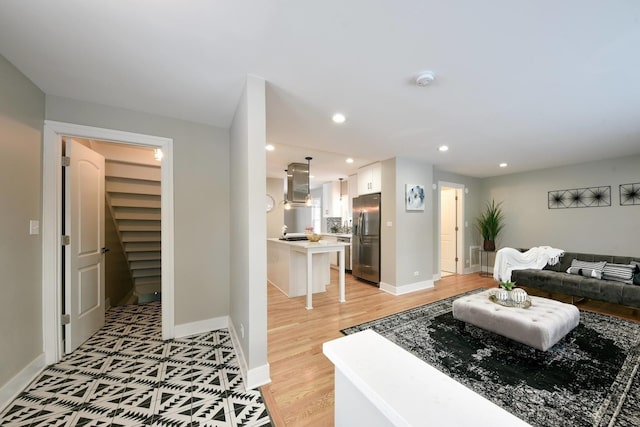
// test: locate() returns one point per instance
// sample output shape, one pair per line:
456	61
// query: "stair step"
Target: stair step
119	185
142	246
147	272
115	169
141	236
146	280
135	265
144	256
137	213
135	200
138	225
148	288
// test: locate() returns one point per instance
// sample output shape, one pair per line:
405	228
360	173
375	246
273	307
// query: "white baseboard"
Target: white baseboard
406	289
437	277
259	376
255	377
201	326
21	380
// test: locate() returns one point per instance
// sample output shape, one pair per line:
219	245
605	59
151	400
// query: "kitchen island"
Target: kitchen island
302	267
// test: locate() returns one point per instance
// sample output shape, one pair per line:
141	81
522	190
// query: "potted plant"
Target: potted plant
490	223
507	285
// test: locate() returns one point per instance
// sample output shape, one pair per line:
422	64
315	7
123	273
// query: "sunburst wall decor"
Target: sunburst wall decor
580	198
630	194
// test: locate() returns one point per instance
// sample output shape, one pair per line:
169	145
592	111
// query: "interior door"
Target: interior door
448	236
84	258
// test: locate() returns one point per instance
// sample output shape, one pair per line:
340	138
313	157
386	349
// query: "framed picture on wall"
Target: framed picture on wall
414	197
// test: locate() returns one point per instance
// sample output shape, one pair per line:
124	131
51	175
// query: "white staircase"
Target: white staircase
133	196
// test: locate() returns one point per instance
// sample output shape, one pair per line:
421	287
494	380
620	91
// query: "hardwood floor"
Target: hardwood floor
301	389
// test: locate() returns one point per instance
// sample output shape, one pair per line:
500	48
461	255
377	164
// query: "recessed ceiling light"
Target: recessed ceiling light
349	160
338	118
270	147
503	165
443	148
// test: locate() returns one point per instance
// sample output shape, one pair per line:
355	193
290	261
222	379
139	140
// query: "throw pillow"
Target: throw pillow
619	272
574	270
636	276
588	269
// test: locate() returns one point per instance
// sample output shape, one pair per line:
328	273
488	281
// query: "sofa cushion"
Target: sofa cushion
631	296
619	272
602	290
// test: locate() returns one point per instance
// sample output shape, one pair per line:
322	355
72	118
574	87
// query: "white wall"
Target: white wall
604	230
248	227
201	200
411	234
21	122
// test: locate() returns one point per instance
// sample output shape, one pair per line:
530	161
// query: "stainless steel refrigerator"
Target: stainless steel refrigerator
365	241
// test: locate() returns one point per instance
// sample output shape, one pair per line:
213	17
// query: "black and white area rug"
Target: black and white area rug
590	378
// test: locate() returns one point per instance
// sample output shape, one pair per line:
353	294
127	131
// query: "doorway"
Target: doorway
52	220
451	229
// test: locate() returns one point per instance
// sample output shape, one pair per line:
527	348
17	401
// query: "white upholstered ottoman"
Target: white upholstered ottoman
539	326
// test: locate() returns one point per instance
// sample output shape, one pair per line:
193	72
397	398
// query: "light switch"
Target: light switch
34	227
389	224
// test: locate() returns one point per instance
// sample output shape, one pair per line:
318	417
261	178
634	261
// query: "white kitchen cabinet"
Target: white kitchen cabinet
353	192
331	203
370	179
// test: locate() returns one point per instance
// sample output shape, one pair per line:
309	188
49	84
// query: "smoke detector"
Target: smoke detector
424	79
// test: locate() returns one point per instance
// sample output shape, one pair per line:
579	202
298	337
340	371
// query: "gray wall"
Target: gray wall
248	226
201	200
409	244
473	199
604	230
21	121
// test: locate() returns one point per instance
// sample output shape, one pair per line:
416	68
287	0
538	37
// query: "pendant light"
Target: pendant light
340	179
308	200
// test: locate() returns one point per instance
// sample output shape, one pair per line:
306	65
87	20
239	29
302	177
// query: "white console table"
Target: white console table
379	384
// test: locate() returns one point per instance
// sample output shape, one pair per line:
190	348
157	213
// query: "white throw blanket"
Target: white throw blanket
509	259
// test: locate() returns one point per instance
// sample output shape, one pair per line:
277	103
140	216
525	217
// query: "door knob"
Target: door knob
104	250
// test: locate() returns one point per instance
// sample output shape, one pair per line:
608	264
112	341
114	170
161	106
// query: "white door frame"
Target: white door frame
52	225
460	268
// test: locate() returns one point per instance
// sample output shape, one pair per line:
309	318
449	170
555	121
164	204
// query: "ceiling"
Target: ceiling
535	84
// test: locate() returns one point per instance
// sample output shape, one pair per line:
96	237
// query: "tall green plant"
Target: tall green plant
491	221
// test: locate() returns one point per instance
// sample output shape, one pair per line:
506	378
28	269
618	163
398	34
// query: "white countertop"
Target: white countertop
307	244
337	234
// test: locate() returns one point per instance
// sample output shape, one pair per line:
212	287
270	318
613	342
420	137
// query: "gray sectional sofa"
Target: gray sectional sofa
553	278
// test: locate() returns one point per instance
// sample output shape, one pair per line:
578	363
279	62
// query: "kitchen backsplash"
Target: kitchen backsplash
334	224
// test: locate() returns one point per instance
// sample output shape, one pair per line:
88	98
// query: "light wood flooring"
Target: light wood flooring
301	388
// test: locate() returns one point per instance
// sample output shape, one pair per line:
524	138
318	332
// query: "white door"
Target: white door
448	230
84	258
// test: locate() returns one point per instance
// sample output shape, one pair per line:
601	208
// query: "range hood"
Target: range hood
297	182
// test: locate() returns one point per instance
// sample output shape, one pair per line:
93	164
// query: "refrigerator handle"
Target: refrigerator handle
360	221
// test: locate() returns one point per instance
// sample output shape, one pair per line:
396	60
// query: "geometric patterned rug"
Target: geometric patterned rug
126	375
589	378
